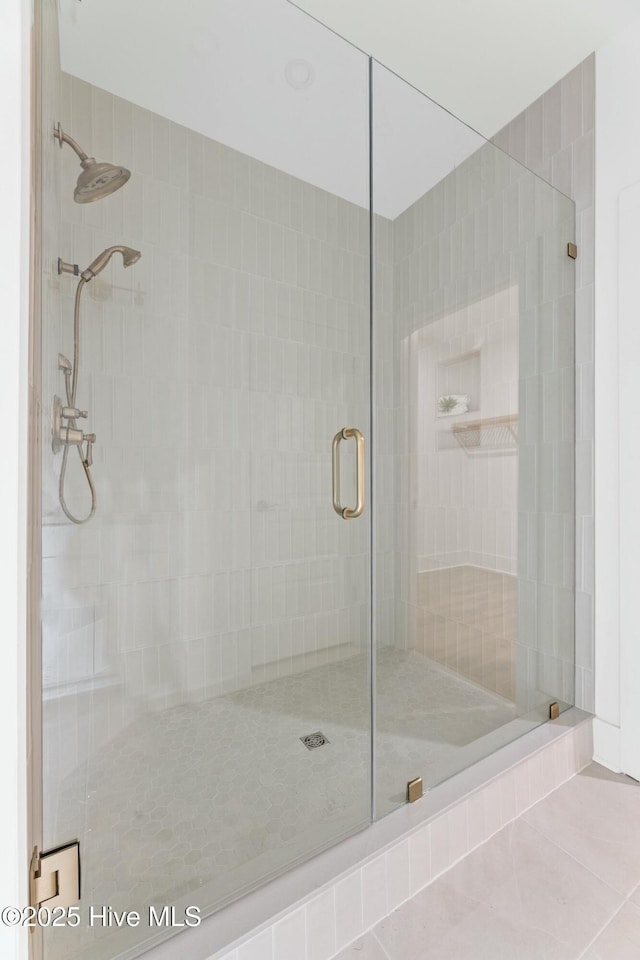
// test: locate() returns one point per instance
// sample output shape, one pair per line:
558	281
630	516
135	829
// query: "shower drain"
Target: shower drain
313	740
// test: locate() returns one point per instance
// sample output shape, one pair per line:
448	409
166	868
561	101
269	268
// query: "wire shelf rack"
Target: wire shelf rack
490	435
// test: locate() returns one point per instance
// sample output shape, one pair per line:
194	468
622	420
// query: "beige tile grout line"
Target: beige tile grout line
567	853
624	900
601	931
381	945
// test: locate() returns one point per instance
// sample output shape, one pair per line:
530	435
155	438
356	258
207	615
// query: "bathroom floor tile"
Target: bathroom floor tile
367	948
635	896
620	940
518	895
484	936
589	817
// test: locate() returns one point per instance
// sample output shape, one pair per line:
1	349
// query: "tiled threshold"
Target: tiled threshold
316	910
562	882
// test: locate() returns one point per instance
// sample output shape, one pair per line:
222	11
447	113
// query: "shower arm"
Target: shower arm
63	137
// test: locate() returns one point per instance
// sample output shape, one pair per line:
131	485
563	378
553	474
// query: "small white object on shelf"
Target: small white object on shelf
452	404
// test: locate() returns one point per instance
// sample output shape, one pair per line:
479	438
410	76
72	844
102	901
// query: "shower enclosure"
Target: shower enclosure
332	551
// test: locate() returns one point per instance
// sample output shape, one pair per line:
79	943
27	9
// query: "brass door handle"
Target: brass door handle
348	433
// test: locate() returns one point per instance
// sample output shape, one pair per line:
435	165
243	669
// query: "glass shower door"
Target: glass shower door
206	633
473	346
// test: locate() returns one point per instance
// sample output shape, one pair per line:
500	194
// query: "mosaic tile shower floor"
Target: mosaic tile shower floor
208	798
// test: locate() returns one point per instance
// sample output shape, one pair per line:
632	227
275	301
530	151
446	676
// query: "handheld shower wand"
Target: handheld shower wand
66	434
129	257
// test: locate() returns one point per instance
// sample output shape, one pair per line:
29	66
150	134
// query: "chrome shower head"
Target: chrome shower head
98	179
129	257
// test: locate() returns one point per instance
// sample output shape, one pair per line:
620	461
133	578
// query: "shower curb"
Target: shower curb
318	908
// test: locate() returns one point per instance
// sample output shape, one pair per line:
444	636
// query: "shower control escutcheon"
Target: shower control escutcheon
70	436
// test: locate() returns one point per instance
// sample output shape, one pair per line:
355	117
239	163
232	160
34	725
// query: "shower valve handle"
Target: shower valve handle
91	439
72	413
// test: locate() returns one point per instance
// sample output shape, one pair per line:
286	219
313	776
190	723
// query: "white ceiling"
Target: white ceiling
415	143
220	67
484	60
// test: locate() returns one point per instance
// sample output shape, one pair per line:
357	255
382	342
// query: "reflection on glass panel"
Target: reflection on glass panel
473	355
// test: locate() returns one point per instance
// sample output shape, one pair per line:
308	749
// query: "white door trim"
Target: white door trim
629	458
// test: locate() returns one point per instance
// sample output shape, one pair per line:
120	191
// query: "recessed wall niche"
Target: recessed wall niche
458	376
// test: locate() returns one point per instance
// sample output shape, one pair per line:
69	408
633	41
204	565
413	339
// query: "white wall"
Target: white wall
14	259
617	169
629	254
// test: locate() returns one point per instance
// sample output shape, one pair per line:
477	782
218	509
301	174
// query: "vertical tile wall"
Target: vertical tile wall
465	504
385	479
554	137
481	251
